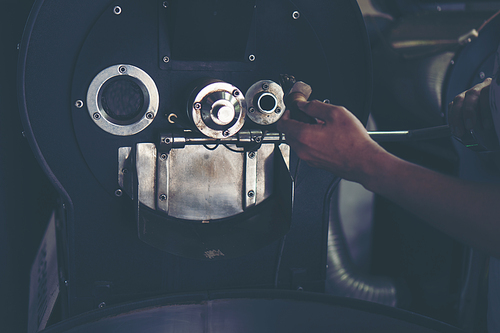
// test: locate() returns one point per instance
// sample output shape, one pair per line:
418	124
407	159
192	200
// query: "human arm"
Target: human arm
467	211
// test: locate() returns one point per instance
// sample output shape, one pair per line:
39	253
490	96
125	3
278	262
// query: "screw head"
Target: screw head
119	192
251	57
251	154
251	110
326	101
101	305
79	103
236	93
278	110
251	194
225	133
163	157
150	115
257	139
163	197
166	59
124	171
117	10
96	116
122	69
165	4
482	75
265	86
197	106
295	15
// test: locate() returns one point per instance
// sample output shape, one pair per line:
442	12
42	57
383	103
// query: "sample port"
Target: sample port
267	102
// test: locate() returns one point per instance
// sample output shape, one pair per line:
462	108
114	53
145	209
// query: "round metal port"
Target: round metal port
122	100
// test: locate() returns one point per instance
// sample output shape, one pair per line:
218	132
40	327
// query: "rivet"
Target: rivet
79	103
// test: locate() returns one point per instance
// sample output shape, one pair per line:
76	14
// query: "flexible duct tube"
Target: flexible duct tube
343	279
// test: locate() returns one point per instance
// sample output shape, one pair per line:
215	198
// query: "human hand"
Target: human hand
338	143
470	112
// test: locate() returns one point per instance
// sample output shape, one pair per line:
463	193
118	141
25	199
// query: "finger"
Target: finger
316	109
484	106
455	119
470	108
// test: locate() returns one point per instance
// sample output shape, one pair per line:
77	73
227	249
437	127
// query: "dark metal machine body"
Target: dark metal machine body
118	99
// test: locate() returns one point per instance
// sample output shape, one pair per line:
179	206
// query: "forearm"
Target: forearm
467	211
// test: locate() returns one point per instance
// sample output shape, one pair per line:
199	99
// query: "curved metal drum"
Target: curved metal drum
257	311
108	211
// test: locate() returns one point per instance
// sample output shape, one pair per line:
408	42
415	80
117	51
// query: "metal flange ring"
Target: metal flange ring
122	100
265	102
217	109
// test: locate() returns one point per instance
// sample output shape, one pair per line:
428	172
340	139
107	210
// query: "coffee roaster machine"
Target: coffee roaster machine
181	206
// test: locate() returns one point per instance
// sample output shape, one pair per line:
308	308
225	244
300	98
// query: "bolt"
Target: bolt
225	133
295	15
117	10
118	192
265	86
236	93
122	69
278	110
166	59
482	75
251	194
150	115
101	305
251	154
163	197
251	110
163	157
96	116
197	106
165	4
251	57
79	103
